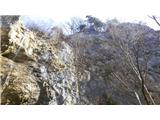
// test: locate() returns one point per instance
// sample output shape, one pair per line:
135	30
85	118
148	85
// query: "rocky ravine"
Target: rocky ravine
73	69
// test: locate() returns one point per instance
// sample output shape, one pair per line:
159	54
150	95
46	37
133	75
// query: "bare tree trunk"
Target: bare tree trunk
133	62
137	96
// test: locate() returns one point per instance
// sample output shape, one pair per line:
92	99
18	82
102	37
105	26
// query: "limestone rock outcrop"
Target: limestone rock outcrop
47	67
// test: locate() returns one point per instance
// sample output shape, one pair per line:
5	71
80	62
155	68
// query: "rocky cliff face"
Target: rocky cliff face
78	69
46	65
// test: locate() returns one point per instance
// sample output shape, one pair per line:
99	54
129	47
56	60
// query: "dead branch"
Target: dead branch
155	19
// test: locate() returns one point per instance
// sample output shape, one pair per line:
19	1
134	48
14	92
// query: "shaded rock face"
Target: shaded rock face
5	22
19	86
79	69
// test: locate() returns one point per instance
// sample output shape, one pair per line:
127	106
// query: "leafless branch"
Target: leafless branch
155	19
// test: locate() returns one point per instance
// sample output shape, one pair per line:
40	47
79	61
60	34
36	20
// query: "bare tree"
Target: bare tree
75	25
110	23
95	23
132	74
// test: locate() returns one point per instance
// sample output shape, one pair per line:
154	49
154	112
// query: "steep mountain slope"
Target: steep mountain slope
119	66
